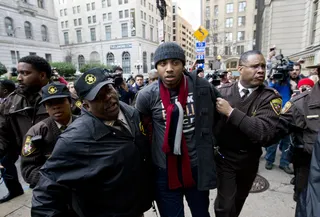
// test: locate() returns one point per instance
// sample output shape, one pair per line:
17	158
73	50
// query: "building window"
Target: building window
62	24
74	10
44	33
93	6
151	33
81	61
145	16
207	51
126	1
120	14
104	17
110	59
79	36
230	8
216	10
145	66
88	7
65	12
242	6
227	50
151	61
314	21
126	62
89	20
103	3
207	24
15	56
108	32
9	26
241	21
229	36
48	57
61	13
75	22
229	22
66	38
120	2
208	12
215	37
109	16
93	34
94	19
78	9
149	19
79	22
95	57
240	36
124	30
109	3
28	29
141	14
143	31
32	53
215	51
40	4
240	49
126	13
66	24
215	23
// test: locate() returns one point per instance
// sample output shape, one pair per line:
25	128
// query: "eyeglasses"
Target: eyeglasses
256	67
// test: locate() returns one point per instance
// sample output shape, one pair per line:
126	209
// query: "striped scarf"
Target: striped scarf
174	144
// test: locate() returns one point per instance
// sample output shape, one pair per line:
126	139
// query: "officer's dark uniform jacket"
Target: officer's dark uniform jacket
38	146
206	117
17	115
252	124
100	166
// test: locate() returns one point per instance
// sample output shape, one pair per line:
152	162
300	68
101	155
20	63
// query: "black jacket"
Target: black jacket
99	168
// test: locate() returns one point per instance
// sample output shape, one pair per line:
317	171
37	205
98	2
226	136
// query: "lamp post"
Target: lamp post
138	66
163	13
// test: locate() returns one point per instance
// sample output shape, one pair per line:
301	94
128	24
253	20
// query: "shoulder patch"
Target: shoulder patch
78	103
142	129
286	107
276	105
28	148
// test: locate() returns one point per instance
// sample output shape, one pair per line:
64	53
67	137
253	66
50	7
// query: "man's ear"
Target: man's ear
5	91
86	104
43	76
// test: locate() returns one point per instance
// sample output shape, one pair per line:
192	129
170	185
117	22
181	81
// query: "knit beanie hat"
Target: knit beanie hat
169	50
305	81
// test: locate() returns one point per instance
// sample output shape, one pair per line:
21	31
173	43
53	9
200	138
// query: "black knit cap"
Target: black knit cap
169	50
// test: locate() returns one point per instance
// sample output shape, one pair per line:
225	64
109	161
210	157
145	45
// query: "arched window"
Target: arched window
110	59
126	62
95	57
9	26
145	66
81	61
44	33
151	61
28	29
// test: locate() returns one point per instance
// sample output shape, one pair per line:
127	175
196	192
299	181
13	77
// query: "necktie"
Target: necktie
246	92
119	124
62	128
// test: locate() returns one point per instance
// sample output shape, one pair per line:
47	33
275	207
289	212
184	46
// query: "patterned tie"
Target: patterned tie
246	92
62	128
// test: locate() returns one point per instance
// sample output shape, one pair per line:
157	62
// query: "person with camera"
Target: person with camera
280	81
101	160
300	117
18	114
250	112
126	95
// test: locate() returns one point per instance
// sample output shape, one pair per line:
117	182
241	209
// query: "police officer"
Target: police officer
100	159
250	115
18	113
41	138
301	117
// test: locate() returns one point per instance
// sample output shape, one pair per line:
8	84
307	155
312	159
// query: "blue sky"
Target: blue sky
191	11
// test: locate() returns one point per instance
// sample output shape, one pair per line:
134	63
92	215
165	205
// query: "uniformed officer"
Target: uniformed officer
99	160
301	117
251	112
41	138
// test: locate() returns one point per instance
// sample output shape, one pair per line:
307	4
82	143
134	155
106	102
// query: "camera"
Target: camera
115	75
280	71
216	76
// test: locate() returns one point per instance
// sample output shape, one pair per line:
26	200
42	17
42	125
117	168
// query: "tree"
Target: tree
3	69
88	66
64	69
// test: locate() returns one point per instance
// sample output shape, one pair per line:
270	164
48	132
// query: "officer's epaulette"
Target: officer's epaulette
272	90
300	96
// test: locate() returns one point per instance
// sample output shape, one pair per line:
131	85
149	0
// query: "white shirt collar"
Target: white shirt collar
60	125
242	87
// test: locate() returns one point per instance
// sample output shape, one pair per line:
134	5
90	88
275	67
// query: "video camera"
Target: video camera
115	75
280	71
216	76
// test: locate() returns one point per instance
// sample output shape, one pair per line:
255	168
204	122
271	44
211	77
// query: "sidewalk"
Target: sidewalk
275	202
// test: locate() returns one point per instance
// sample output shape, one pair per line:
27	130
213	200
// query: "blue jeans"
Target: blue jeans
170	202
283	146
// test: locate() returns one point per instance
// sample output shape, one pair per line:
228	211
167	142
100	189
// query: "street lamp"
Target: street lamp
138	66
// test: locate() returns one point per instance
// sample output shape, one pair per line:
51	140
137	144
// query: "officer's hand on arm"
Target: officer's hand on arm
224	107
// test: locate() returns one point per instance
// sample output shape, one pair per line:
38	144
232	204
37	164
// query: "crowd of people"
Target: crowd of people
101	146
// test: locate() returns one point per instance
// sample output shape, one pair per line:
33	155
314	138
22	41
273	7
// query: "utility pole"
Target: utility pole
162	7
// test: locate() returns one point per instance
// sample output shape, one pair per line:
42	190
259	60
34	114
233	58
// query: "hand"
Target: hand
193	67
223	107
271	54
